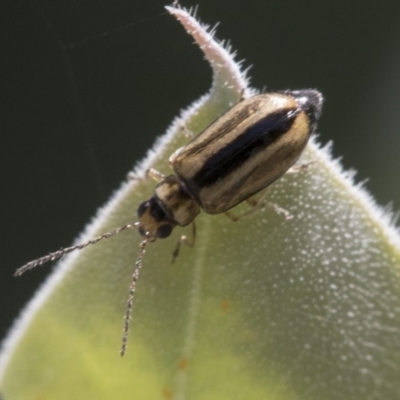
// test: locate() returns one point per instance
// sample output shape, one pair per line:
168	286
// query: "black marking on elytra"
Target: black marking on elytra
253	140
224	127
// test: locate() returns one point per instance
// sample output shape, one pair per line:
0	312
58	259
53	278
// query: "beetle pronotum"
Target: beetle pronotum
242	152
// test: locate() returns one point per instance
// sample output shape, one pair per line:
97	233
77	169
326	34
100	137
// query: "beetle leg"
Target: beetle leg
150	173
184	239
132	177
300	167
155	175
279	210
256	205
187	132
260	205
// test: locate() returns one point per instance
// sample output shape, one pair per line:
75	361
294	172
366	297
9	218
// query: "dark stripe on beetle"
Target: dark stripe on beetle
226	123
253	140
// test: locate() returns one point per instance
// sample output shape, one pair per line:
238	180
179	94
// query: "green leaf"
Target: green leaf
263	308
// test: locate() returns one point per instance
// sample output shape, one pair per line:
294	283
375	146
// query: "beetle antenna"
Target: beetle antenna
63	251
132	289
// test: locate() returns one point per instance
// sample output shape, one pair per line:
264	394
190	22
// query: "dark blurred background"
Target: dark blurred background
86	87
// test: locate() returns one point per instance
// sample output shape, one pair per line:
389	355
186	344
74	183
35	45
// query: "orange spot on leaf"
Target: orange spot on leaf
167	393
225	305
182	364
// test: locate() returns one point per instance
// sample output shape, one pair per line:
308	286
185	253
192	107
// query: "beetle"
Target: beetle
242	152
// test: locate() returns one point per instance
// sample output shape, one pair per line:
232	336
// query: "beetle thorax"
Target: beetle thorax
175	200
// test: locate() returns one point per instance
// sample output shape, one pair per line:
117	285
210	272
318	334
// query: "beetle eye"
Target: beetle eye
164	231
